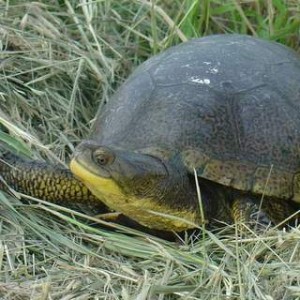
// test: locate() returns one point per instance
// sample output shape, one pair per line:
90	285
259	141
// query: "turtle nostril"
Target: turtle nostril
103	156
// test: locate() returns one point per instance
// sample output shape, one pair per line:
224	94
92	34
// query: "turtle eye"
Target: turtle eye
103	157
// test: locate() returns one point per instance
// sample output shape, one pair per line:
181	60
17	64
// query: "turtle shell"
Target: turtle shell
229	104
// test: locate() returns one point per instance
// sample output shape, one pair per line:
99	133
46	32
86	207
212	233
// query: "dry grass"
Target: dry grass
59	61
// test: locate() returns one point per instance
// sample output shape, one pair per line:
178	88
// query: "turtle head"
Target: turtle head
147	188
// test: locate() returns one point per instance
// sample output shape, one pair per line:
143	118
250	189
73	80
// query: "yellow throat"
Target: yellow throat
145	211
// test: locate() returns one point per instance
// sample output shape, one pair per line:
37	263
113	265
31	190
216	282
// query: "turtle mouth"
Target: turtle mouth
119	172
105	189
118	165
85	160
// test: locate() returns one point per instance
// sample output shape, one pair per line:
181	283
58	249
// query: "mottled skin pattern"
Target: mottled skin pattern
52	183
231	102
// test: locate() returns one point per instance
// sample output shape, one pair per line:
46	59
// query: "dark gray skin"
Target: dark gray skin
226	105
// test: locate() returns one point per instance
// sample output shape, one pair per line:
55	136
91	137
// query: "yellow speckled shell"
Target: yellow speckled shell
269	181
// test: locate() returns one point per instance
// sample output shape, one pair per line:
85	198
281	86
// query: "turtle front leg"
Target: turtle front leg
281	211
277	211
245	209
241	209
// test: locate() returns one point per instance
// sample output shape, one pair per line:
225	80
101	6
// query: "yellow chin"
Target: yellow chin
107	185
145	211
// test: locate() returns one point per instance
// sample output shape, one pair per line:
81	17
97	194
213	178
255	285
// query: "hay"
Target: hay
60	60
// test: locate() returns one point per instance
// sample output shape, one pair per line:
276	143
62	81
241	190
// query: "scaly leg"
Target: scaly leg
48	182
280	210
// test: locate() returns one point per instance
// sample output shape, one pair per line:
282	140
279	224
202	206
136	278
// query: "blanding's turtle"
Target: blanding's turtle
224	107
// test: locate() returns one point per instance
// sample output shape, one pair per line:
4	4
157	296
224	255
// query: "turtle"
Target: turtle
198	134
